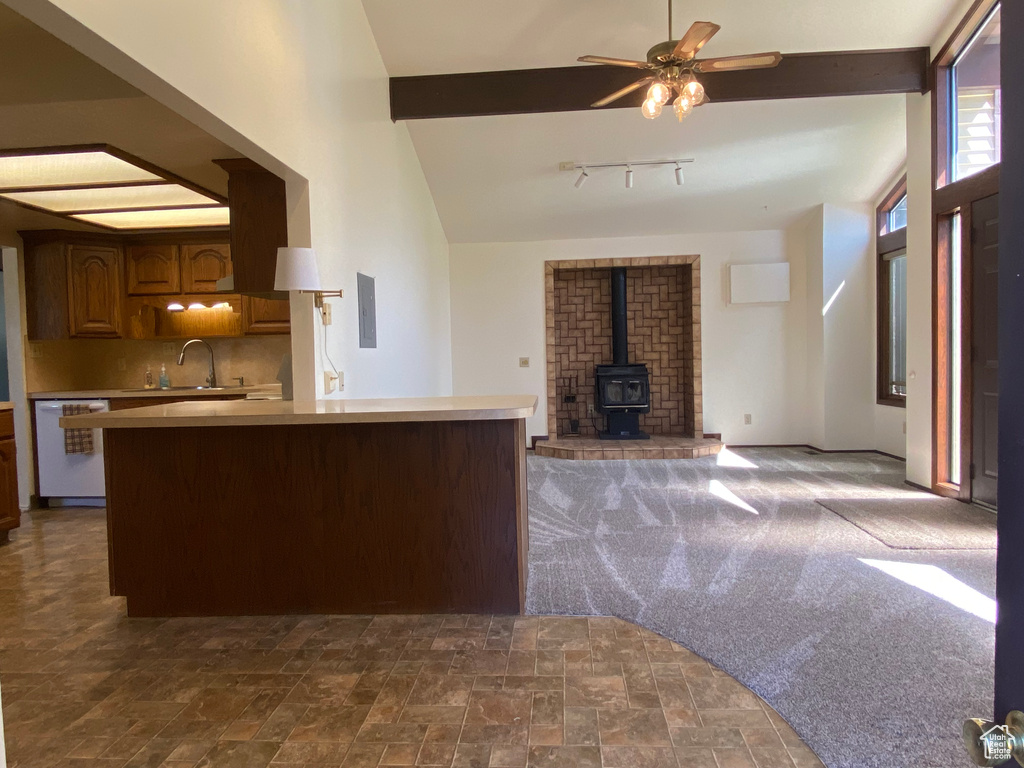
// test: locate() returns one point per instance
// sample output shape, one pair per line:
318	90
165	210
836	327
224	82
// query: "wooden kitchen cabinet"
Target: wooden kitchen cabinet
203	265
94	291
265	316
153	269
10	511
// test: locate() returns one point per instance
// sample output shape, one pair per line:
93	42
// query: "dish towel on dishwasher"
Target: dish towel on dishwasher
76	439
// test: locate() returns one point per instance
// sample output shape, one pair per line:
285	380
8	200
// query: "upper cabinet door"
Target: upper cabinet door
153	270
94	291
203	265
265	316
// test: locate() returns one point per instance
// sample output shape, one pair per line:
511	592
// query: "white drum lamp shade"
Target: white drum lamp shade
297	270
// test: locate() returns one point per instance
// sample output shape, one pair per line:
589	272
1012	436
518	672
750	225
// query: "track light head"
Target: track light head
582	179
679	175
629	177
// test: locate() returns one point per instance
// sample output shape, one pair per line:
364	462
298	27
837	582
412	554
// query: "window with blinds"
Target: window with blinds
977	134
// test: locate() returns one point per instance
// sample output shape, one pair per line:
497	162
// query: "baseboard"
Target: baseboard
919	487
819	450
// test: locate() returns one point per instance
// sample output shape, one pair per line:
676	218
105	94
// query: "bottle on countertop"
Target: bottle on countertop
148	381
165	382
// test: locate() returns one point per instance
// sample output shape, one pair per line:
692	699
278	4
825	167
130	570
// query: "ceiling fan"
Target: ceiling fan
672	65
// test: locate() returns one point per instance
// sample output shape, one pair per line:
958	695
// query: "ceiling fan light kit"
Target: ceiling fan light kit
673	64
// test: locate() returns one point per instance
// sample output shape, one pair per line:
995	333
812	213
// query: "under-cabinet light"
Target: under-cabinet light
175	307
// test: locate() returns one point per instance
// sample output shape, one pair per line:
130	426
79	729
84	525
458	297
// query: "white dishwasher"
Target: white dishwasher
67	475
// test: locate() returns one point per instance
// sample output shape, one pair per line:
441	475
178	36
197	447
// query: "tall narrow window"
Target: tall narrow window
892	297
955	372
977	102
897	384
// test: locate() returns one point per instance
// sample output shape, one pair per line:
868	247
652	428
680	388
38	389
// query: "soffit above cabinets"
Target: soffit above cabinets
104	186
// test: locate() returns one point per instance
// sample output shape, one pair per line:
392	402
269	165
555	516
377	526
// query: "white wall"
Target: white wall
848	327
919	290
809	235
754	355
301	89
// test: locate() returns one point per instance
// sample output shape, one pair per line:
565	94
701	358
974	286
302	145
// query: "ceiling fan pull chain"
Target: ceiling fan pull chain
669	19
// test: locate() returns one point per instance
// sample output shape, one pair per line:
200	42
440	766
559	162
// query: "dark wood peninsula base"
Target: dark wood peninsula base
328	518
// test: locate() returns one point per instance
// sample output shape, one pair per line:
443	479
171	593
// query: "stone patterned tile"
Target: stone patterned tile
86	686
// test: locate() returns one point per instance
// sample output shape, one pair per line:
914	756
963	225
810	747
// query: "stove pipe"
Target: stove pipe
620	330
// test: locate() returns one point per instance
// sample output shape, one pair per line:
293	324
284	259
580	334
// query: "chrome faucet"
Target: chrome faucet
212	380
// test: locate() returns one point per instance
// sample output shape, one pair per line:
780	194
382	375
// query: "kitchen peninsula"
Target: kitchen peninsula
337	506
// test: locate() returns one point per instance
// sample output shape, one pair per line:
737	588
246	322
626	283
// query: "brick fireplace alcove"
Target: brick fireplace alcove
663	309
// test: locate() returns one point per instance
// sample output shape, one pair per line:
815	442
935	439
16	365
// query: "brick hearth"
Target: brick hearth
663	306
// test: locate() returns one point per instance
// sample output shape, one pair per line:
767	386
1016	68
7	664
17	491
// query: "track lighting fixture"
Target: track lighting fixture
586	169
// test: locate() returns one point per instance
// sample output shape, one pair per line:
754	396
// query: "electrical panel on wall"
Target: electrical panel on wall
367	311
758	283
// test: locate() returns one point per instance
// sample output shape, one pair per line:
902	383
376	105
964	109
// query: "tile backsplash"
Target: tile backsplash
81	364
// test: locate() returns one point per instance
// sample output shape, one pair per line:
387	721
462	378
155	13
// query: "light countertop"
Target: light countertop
190	392
236	413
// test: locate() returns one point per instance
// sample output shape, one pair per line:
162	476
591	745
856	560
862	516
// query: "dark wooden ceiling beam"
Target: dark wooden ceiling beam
566	89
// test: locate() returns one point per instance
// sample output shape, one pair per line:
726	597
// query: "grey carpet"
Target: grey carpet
869	670
933	523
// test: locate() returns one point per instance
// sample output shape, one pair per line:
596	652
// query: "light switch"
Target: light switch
524	362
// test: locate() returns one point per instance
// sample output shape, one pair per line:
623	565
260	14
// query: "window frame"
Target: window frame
886	244
950	198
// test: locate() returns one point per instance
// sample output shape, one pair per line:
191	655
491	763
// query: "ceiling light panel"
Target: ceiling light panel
168	217
79	169
111	198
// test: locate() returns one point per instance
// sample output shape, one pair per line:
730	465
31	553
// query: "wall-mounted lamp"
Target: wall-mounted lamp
297	270
629	177
679	175
582	179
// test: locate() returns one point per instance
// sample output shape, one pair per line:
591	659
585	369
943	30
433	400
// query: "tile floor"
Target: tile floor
83	686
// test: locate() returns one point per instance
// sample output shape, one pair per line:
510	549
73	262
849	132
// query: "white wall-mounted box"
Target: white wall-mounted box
758	283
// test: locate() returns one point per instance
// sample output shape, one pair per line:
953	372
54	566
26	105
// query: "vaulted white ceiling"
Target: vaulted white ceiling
759	164
418	37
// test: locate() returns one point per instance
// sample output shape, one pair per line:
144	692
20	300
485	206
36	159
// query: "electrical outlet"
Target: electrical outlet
747	420
341	381
169	348
590	409
122	364
524	362
326	311
329	381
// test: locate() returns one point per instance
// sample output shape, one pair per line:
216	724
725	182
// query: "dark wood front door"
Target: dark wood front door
985	348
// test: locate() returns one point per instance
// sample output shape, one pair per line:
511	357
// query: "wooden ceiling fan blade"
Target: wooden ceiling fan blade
614	62
623	92
696	37
733	63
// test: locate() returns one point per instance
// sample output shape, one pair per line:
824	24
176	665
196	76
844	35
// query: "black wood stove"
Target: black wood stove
622	391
